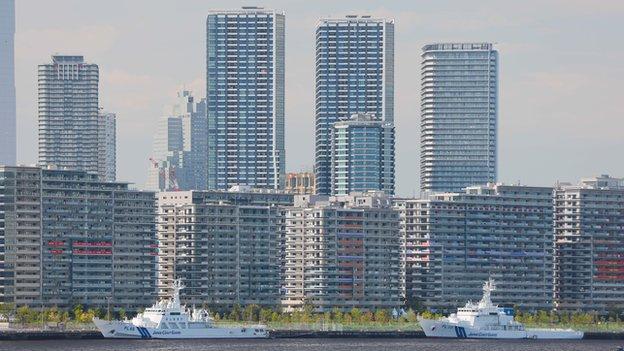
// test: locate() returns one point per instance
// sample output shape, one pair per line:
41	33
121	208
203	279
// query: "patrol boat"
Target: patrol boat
484	320
168	319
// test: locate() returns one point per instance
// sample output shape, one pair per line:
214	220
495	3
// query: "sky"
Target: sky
561	107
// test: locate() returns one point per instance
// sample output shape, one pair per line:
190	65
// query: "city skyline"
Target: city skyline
544	74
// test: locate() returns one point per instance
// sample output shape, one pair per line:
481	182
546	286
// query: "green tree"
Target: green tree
307	313
25	315
542	317
52	315
366	317
411	316
265	314
122	314
77	312
336	315
382	316
251	312
6	311
275	316
235	314
356	314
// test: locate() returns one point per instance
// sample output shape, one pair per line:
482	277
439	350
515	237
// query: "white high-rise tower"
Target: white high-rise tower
68	114
459	114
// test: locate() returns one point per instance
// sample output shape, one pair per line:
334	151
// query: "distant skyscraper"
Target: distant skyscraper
459	113
362	155
107	139
68	113
354	74
245	95
179	157
301	183
7	83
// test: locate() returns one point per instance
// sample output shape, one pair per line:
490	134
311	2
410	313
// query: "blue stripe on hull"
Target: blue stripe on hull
460	332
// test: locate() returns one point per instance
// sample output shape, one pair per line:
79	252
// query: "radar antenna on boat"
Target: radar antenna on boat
488	287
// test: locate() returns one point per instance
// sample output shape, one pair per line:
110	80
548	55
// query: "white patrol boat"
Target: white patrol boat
167	319
485	320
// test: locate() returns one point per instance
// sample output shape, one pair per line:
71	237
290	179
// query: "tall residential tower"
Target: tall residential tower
459	113
245	96
362	155
7	83
68	113
354	74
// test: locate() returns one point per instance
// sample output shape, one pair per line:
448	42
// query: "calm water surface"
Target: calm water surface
311	345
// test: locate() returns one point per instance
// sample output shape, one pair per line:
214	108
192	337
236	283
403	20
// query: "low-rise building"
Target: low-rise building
226	246
589	245
69	238
342	252
453	242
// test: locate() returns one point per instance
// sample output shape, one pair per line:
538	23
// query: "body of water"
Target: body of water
312	345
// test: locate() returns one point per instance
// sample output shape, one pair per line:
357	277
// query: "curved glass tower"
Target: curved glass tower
459	113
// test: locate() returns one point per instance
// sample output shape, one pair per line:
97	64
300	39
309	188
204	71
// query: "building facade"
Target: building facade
342	252
245	96
7	83
68	114
589	245
69	238
302	183
354	74
107	146
179	160
224	245
459	116
362	155
453	242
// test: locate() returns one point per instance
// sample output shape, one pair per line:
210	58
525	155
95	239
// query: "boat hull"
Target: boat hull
444	329
127	330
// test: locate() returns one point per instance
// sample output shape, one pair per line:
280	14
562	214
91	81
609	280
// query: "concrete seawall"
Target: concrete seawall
278	334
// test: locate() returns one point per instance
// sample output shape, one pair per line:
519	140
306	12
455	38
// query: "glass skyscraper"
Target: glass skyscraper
7	83
245	98
362	155
354	74
179	156
459	113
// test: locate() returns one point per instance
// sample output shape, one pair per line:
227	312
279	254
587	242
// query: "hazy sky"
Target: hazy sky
561	74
